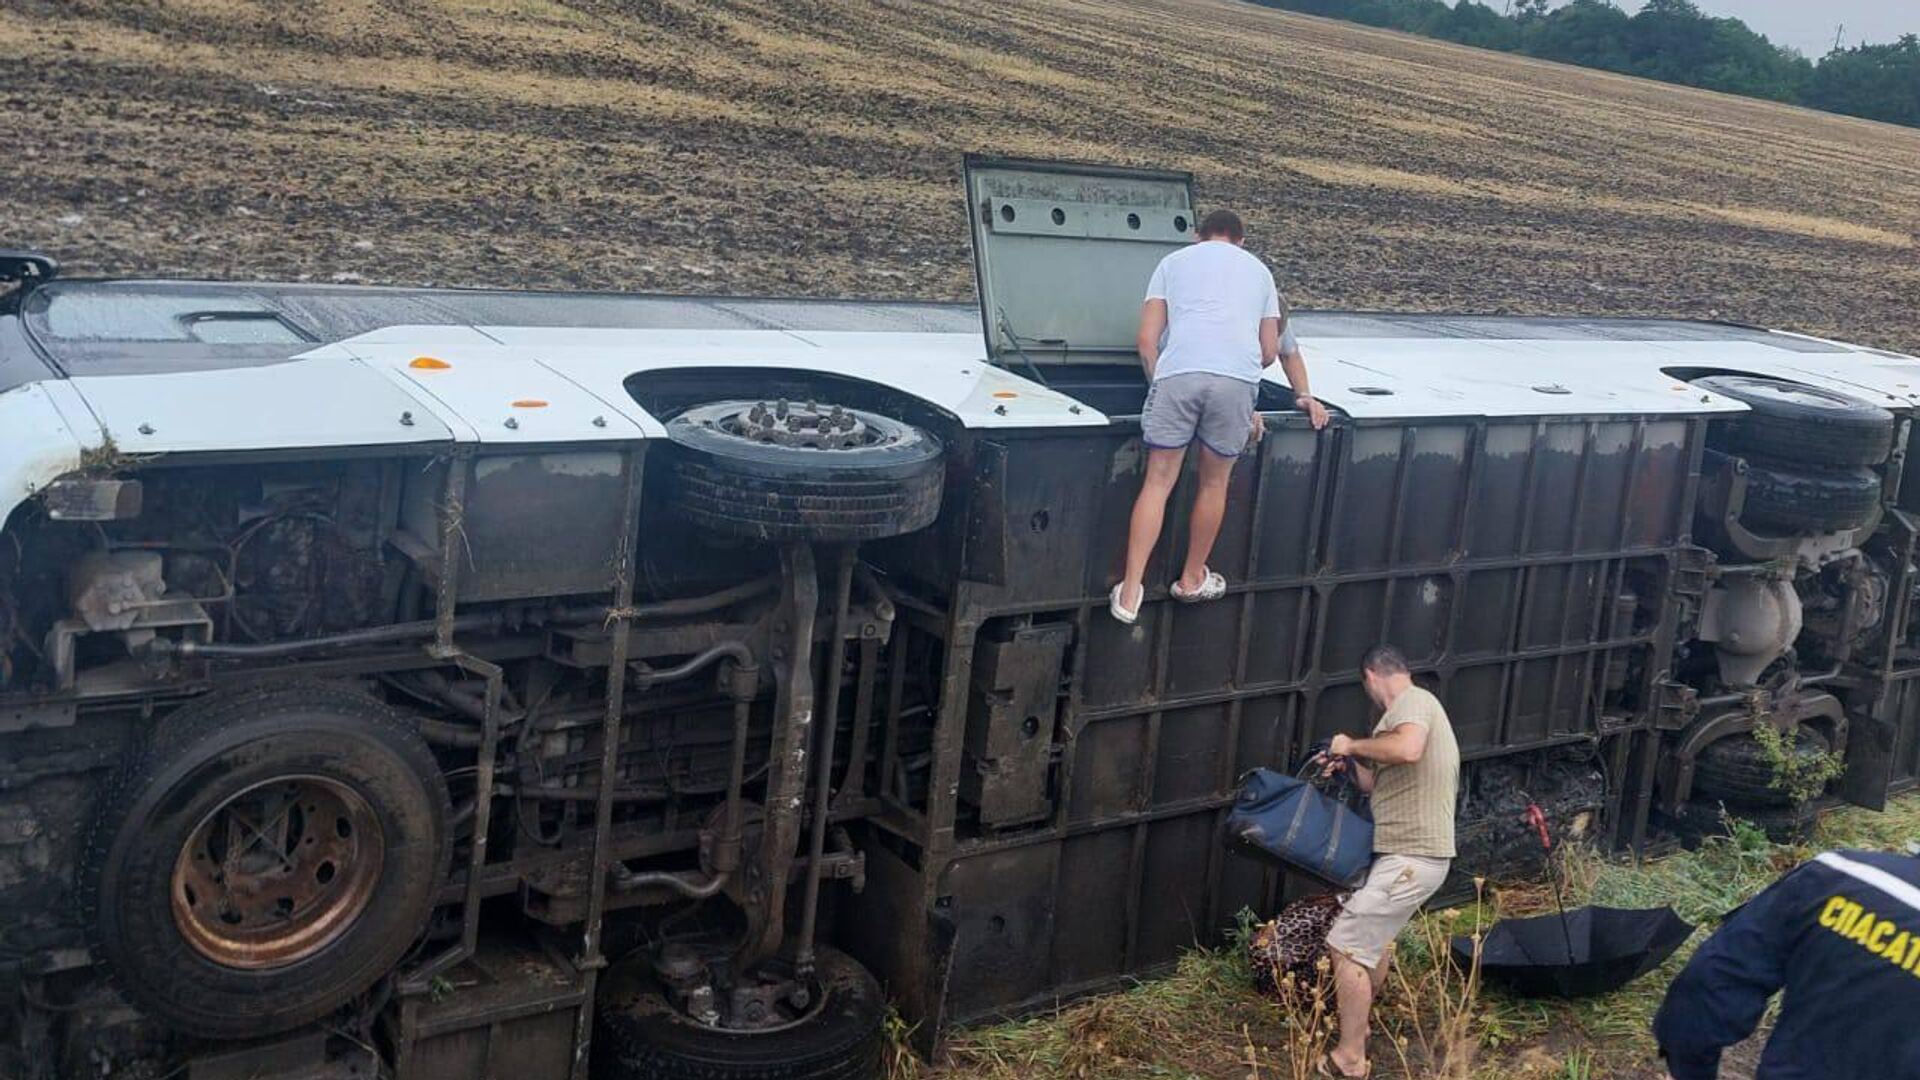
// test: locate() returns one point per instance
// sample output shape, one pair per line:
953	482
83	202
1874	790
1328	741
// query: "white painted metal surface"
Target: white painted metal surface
1426	377
39	444
495	394
1442	377
947	371
1886	379
511	385
319	404
75	411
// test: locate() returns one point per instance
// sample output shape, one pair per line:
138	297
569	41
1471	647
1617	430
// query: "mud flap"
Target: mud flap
1870	739
905	940
942	932
987	516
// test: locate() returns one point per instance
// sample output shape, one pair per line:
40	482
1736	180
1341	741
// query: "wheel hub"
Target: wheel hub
276	873
784	423
703	989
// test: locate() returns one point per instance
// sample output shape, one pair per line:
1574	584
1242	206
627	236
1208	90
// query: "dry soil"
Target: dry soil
812	147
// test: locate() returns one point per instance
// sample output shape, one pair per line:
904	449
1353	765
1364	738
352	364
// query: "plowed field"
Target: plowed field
812	146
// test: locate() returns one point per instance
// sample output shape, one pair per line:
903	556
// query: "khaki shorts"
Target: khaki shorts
1395	888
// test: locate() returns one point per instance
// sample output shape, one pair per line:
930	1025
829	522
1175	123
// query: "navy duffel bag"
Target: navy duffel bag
1287	820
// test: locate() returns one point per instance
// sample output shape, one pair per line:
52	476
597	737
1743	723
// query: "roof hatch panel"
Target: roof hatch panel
1062	254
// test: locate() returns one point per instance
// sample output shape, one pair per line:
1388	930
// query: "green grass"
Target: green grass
1702	885
1125	1034
1205	1021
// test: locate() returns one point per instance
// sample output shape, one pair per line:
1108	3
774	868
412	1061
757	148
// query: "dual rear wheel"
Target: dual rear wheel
1808	454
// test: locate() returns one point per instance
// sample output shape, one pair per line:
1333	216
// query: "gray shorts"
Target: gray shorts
1215	409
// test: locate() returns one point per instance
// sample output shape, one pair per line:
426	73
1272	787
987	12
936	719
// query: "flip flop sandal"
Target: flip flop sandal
1326	1067
1213	588
1118	610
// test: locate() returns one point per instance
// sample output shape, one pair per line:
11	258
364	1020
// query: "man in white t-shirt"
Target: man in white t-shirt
1211	323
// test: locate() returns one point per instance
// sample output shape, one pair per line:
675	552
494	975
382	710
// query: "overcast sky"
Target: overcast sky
1808	25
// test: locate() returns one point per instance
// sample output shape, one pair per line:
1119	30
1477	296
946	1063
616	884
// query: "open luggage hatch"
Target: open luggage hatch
1062	254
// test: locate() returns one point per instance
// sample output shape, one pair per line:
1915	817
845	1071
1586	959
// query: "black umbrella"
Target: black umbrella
1578	953
1610	947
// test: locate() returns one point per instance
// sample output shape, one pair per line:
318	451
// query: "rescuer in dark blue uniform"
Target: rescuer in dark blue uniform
1841	935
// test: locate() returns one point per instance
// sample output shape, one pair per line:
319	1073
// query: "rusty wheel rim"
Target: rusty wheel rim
277	873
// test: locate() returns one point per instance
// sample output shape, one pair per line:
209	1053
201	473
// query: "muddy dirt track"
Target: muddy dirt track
811	147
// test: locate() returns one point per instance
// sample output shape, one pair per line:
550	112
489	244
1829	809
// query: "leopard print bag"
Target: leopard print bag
1292	943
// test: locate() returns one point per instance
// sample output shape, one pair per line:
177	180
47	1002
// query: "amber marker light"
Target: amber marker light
428	363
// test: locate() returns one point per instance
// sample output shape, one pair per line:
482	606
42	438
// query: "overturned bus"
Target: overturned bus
460	683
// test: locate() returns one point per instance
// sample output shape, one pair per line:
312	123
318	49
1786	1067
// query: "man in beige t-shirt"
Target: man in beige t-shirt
1411	765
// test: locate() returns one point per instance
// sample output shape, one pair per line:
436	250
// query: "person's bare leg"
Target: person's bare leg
1353	991
1209	508
1149	513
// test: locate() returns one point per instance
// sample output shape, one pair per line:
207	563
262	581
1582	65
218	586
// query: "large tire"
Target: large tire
1736	769
1809	500
361	838
639	1036
885	482
1801	424
1701	819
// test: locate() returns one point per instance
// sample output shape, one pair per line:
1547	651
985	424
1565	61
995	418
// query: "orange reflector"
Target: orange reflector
1005	394
428	363
529	403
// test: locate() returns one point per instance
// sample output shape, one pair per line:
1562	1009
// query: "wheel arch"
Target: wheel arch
1819	710
41	440
668	392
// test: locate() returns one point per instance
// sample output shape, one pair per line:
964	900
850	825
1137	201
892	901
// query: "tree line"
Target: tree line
1670	40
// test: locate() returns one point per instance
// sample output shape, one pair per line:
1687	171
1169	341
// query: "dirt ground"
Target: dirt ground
812	146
